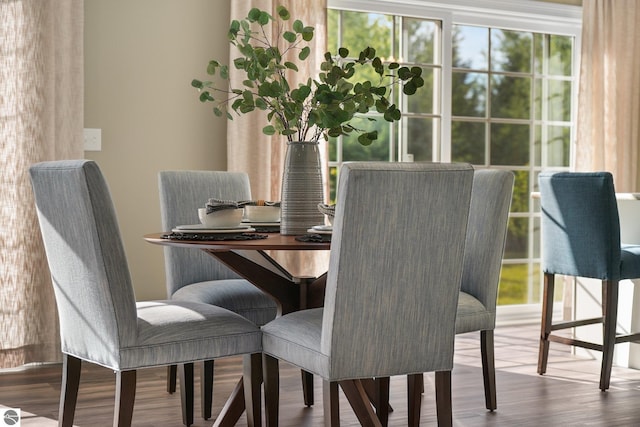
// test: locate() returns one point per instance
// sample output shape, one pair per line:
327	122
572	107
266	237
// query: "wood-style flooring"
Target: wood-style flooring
567	395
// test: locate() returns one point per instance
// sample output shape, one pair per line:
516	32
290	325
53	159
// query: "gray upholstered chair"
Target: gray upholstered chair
581	237
484	249
100	321
193	275
392	289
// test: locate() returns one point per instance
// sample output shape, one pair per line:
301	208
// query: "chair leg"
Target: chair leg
359	401
488	369
415	384
307	387
610	314
330	403
172	374
71	367
206	388
271	378
443	399
125	398
252	381
379	396
185	371
545	324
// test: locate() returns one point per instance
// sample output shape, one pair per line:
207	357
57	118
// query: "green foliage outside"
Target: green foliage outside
510	108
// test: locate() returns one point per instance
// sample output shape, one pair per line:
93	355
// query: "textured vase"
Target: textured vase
301	188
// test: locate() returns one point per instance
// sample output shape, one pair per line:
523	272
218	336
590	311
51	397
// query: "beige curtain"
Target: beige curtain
41	118
609	94
261	156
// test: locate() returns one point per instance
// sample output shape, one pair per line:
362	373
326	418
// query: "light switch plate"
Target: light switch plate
92	139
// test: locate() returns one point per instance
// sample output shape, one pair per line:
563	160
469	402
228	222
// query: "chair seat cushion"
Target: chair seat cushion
295	338
180	331
630	262
473	315
237	295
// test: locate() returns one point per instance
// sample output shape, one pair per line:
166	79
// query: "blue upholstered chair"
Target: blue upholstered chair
193	275
392	289
483	252
100	321
581	237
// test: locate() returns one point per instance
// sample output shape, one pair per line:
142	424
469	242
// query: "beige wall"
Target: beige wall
140	57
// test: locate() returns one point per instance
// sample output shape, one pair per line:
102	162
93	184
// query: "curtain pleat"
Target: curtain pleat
41	118
262	156
608	124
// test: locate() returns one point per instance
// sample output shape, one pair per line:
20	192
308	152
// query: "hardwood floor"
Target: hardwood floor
567	395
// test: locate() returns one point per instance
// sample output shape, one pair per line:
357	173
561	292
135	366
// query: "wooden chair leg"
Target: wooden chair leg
172	374
415	384
376	395
271	378
185	372
307	387
488	369
125	398
610	314
330	403
252	381
443	399
206	388
359	401
382	399
71	367
545	324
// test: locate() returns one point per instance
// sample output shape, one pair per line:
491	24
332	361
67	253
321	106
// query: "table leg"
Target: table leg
232	409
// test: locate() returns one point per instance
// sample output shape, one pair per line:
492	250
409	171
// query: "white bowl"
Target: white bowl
262	213
221	218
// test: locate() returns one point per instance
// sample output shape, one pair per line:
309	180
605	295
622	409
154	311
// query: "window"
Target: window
500	83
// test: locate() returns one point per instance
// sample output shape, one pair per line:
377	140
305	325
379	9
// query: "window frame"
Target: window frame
525	15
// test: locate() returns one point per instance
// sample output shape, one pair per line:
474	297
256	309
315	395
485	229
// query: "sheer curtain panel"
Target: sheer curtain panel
262	156
41	118
609	95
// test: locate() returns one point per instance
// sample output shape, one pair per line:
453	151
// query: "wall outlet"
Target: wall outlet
92	139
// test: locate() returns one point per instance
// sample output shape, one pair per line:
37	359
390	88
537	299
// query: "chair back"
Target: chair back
395	268
580	224
486	235
181	194
94	296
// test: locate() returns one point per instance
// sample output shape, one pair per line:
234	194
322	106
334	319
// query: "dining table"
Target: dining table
249	255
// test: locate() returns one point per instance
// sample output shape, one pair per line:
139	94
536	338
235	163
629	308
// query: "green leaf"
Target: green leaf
343	52
289	36
286	132
269	130
404	73
197	84
211	67
304	53
307	33
261	104
224	72
205	96
291	66
217	112
264	18
248	83
409	88
254	14
283	13
298	26
367	138
393	65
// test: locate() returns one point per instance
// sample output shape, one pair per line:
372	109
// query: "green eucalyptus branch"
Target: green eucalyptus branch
323	107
